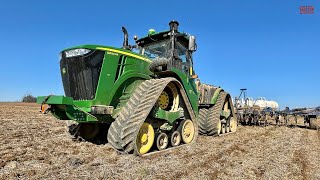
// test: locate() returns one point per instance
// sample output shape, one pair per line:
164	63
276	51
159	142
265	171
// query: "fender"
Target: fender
208	94
216	95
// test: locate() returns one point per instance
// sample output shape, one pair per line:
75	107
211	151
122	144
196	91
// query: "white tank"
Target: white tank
249	101
263	103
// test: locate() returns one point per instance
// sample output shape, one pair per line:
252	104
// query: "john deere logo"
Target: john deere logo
64	71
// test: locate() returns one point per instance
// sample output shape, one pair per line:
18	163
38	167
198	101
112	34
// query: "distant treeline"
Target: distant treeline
28	98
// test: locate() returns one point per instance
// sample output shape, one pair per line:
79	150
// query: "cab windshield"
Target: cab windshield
156	49
161	49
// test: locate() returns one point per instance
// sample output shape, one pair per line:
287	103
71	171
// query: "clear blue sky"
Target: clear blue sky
265	46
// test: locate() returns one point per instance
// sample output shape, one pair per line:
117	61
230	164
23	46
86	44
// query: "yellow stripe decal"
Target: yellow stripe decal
125	53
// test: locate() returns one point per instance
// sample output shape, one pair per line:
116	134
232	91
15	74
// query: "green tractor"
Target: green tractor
143	97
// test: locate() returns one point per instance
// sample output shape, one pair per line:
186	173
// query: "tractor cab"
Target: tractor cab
169	50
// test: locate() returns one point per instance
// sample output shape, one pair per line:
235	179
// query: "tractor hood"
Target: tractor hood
81	68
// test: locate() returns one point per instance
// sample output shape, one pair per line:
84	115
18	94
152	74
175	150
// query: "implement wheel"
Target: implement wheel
187	131
145	138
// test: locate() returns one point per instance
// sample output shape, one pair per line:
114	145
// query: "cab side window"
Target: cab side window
181	50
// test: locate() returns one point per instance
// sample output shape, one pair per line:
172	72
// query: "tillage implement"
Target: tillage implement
143	97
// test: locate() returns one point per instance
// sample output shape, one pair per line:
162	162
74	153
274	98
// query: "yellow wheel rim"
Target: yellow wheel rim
163	100
169	98
175	101
145	138
187	131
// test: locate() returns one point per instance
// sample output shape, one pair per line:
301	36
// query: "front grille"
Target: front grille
80	75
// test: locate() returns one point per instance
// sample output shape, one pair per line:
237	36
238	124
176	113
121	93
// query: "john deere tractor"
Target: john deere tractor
143	97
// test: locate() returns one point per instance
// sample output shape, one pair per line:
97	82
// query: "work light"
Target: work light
76	52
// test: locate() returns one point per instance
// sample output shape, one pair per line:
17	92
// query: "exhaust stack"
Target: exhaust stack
174	25
125	40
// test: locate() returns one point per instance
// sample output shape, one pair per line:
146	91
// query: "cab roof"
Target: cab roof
162	36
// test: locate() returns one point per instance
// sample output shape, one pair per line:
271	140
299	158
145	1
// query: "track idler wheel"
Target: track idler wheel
233	124
219	127
145	139
175	139
162	141
187	131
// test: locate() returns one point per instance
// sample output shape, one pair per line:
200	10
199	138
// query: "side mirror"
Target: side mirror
192	43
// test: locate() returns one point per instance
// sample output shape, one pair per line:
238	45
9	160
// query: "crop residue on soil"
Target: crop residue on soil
33	145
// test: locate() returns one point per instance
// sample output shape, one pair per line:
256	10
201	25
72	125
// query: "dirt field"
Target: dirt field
35	146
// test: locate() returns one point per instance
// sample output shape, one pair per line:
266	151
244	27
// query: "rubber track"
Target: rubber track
208	118
123	131
202	120
214	114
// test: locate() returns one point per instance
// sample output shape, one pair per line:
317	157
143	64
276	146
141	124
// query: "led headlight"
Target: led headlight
76	52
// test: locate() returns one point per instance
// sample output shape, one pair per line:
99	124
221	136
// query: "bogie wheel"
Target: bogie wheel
233	124
162	141
228	127
169	98
223	128
175	139
145	138
187	131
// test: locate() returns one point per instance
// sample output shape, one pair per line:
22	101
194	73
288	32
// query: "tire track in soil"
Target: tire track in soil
300	160
219	156
51	154
299	156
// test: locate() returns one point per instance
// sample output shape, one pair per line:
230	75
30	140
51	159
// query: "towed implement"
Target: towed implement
262	112
141	97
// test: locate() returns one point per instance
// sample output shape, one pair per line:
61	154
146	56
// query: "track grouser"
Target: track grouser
143	97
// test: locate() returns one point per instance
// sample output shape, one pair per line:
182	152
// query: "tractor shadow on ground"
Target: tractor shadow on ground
99	139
